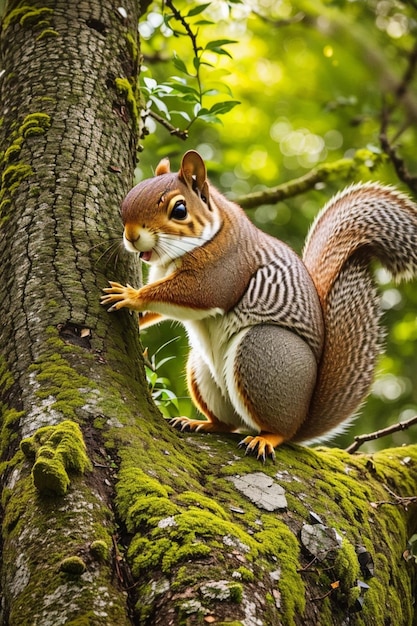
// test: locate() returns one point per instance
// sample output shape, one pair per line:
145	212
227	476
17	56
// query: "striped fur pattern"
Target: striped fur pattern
279	293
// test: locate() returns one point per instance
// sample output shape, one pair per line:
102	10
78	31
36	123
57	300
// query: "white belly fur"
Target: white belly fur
216	341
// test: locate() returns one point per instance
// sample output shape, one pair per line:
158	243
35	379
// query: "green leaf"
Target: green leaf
179	64
198	9
167	358
210	92
150	82
223	107
183	114
210	119
160	105
219	43
222	51
178	87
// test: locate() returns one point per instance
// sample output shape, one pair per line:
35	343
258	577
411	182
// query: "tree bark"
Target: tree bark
68	140
109	516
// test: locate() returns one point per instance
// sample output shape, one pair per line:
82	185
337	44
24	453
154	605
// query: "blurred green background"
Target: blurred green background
312	80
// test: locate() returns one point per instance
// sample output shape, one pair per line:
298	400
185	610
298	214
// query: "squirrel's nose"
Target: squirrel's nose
132	233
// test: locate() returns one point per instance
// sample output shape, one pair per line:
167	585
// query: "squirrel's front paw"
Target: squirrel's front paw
204	426
119	296
185	423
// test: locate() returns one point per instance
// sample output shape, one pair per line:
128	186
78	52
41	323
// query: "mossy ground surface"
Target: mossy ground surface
183	509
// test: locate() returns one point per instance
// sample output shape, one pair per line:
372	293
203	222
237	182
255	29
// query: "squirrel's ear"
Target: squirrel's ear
193	173
163	167
192	165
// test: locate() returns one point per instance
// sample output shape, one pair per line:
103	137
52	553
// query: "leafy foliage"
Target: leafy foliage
194	86
318	83
160	386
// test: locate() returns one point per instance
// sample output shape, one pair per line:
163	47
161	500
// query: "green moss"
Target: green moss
10	419
6	377
205	502
59	379
35	123
236	592
26	16
100	550
88	619
13	151
59	450
73	565
177	553
48	32
150	510
32	17
346	566
245	574
278	540
176	533
132	47
9	415
15	15
125	89
15	174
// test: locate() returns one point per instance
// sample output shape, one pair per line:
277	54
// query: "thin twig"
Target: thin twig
397	161
360	439
387	145
176	132
401	500
333	587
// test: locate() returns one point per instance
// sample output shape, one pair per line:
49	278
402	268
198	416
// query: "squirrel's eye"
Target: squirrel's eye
179	212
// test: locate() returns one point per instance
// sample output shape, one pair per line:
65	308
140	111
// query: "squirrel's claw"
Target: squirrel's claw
185	423
202	426
263	445
119	296
113	295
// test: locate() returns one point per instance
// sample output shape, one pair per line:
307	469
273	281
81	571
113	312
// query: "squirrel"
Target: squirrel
282	347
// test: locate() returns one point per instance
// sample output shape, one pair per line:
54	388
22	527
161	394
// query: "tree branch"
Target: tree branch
360	439
400	94
175	131
343	168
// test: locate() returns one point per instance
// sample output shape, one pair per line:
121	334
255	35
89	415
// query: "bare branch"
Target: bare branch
360	439
177	132
398	500
400	93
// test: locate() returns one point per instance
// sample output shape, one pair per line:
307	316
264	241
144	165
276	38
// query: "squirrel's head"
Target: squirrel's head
171	214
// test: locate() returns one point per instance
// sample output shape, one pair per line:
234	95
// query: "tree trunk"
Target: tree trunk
69	136
109	516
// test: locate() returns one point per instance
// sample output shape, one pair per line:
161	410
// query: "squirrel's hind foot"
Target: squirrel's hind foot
263	445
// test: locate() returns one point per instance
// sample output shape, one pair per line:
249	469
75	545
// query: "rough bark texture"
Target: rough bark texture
68	141
109	516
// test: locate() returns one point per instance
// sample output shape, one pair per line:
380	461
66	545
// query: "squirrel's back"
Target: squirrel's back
362	223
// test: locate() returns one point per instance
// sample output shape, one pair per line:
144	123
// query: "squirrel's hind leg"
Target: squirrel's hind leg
271	373
208	398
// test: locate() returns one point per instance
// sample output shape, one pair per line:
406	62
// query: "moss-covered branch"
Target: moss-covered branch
348	169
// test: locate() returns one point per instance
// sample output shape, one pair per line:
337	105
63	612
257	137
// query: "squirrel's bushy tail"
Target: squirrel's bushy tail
362	223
